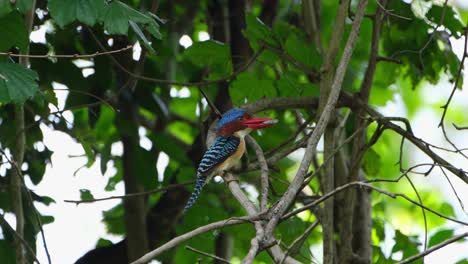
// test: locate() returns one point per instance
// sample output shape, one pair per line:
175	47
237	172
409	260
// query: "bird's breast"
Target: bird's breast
231	160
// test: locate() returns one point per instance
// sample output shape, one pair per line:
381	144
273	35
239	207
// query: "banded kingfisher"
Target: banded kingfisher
227	148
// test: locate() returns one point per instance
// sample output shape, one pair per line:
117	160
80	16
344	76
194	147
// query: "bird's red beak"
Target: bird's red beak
259	122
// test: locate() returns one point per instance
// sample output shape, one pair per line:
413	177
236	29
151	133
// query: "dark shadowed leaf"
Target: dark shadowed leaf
17	83
248	88
13	32
67	11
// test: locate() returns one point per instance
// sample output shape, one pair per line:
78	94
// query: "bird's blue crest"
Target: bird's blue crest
230	116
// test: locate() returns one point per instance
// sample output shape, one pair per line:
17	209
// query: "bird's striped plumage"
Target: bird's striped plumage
222	148
228	147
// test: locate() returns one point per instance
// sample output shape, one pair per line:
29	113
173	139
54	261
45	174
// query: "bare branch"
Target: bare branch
203	229
434	248
459	127
257	242
71	56
170	82
297	243
288	197
206	254
163	189
366	185
264	172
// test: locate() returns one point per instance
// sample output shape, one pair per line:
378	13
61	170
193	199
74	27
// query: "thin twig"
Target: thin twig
434	248
163	189
457	80
170	82
297	243
5	224
327	112
422	208
71	56
206	254
366	185
264	171
453	189
210	103
200	230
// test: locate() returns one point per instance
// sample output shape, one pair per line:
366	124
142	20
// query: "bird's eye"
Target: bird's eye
240	118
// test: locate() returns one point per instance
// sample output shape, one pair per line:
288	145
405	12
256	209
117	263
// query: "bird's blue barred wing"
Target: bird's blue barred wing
219	151
222	148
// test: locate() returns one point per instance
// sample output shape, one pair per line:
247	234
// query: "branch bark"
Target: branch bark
264	172
296	184
16	180
187	236
355	238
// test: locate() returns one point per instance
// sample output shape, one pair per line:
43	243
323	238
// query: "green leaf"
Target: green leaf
463	13
114	220
172	149
117	16
212	54
446	209
102	242
290	85
45	200
47	219
24	5
440	236
7	251
463	261
141	35
13	32
86	194
256	31
66	11
146	172
371	162
408	245
450	21
303	50
249	87
5	8
17	83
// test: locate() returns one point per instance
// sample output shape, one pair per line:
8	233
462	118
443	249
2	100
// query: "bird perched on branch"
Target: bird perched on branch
228	146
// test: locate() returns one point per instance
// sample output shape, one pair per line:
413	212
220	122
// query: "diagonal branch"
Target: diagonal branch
206	254
434	248
264	172
312	143
203	229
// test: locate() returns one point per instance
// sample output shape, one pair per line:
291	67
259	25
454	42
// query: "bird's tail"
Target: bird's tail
199	183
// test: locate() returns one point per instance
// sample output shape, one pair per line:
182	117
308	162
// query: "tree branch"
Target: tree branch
264	172
70	56
288	197
203	229
434	248
206	254
162	189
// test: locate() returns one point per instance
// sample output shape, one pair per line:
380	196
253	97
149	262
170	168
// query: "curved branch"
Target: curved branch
203	229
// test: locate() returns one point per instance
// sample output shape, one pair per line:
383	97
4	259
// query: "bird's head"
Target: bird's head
239	120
